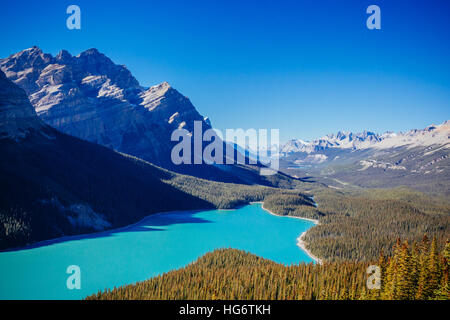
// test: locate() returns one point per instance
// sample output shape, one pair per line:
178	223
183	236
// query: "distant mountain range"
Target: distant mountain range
417	158
90	97
431	135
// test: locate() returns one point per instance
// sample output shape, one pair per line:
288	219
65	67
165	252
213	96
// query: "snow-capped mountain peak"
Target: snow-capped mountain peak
433	134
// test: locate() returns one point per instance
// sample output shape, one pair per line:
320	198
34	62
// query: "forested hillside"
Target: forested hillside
412	272
357	225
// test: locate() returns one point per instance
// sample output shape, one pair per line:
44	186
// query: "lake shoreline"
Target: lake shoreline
300	242
81	236
156	244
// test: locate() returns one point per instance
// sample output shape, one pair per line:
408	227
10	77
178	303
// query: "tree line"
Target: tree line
418	271
357	225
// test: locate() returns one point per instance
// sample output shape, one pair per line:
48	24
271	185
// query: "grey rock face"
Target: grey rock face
17	116
90	97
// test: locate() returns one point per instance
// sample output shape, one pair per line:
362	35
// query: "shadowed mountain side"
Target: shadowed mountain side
54	185
42	179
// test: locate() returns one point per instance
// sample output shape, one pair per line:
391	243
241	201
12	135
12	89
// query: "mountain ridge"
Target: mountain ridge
432	134
90	97
419	159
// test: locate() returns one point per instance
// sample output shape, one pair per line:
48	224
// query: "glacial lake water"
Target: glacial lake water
155	245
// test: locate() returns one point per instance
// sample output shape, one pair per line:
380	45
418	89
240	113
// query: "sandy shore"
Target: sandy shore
300	242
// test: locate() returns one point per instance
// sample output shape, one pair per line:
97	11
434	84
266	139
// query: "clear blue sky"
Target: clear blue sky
305	67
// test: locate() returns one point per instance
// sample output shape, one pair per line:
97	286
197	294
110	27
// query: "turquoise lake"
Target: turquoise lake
155	245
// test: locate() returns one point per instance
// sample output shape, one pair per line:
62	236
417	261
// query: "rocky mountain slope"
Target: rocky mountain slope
17	116
417	158
90	97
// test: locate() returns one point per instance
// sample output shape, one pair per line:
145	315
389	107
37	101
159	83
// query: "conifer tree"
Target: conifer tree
404	288
434	267
423	287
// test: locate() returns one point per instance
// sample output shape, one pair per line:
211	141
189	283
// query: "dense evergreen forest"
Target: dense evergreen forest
220	195
418	271
356	225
